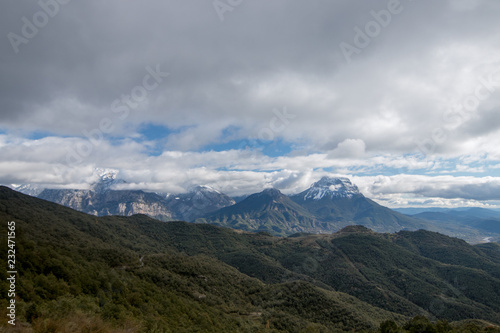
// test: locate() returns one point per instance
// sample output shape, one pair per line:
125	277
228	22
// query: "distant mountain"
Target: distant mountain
198	201
418	210
338	202
473	224
489	226
103	199
327	206
106	180
439	216
269	210
110	202
240	198
140	275
462	211
475	212
330	188
28	189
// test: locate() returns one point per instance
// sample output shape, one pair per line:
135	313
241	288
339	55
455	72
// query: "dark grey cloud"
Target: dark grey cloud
392	98
90	53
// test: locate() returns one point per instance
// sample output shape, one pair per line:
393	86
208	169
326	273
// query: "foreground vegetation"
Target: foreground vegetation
78	273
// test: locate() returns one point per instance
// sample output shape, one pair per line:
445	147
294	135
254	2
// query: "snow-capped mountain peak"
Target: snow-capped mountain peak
106	174
332	188
199	200
33	190
106	178
101	181
203	188
272	192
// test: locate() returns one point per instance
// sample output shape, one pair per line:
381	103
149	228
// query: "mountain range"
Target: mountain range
484	220
78	272
326	206
338	200
103	199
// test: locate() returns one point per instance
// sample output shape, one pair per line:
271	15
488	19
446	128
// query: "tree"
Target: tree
420	324
389	326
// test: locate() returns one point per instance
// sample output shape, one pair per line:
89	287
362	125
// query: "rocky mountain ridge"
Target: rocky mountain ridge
326	206
103	197
328	187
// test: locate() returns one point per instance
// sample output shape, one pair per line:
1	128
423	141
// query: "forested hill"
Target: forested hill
77	272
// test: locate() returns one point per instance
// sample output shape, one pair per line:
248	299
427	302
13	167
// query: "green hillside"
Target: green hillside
268	211
280	215
79	273
359	210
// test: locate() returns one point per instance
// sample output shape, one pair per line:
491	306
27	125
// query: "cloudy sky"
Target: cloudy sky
402	96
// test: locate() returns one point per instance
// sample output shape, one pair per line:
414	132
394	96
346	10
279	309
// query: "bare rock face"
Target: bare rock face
198	201
187	206
103	198
328	187
111	202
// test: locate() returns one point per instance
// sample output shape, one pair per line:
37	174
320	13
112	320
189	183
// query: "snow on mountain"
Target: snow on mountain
332	188
106	179
205	188
197	201
102	198
33	190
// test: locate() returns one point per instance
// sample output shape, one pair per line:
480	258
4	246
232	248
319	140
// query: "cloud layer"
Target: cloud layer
259	94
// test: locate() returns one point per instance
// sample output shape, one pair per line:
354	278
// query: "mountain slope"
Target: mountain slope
489	225
111	202
127	273
200	200
102	200
269	210
123	271
465	223
339	202
452	251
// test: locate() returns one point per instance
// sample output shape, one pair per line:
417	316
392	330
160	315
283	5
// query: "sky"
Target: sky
402	97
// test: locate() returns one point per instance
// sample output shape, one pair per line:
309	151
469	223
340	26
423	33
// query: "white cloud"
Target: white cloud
235	172
391	111
349	148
